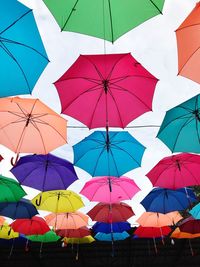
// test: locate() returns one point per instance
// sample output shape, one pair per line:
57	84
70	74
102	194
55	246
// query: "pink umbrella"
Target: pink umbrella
176	171
106	90
110	189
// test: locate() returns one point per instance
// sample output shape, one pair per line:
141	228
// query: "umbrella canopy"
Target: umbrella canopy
6	232
18	210
2	220
106	90
182	124
63	221
152	232
83	240
191	226
58	201
109	189
195	211
33	226
176	171
188	42
103	153
107	228
166	200
103	19
112	236
45	238
29	126
155	219
44	172
109	213
73	233
10	190
178	234
21	45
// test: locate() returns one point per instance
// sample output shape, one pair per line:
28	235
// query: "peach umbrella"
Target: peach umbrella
29	126
72	220
188	41
154	219
2	220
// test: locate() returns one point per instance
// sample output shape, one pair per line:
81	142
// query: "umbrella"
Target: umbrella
44	172
48	237
155	219
152	232
109	189
191	226
178	234
6	232
18	210
103	153
112	236
83	240
21	46
195	211
176	171
107	228
29	126
166	200
10	190
106	90
182	124
73	233
58	201
110	213
2	220
103	19
33	226
188	42
63	221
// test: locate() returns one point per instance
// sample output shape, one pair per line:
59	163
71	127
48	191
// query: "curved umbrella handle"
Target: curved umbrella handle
14	161
38	201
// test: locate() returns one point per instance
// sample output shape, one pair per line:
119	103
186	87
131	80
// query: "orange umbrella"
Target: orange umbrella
178	234
72	220
188	41
2	220
29	126
154	219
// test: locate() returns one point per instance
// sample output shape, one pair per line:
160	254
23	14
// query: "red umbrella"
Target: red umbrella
109	213
191	226
152	232
74	233
33	226
176	171
106	90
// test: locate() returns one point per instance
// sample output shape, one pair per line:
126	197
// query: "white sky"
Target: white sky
153	44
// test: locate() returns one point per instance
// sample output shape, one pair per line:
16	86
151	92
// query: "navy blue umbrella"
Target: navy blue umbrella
107	228
165	200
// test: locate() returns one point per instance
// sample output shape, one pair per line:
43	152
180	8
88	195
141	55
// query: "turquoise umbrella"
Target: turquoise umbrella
180	129
108	153
195	211
111	237
22	54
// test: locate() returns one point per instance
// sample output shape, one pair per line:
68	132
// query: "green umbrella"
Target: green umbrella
180	129
106	19
11	191
49	237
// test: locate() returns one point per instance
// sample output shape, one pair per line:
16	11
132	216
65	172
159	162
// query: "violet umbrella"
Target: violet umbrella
109	189
44	172
106	90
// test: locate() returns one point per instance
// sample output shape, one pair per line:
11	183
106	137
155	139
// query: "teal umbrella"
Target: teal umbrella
105	19
180	129
195	211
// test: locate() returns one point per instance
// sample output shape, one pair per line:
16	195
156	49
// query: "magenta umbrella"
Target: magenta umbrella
110	189
176	171
106	90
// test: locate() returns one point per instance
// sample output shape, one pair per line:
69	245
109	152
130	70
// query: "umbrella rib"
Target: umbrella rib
197	130
155	6
94	65
111	21
114	65
93	80
16	21
27	46
95	167
36	127
68	18
188	26
114	162
168	167
55	167
179	72
87	152
121	78
184	166
15	60
185	123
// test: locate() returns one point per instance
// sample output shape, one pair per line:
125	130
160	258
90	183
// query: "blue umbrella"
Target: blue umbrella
111	237
22	54
18	210
195	211
165	200
108	153
107	228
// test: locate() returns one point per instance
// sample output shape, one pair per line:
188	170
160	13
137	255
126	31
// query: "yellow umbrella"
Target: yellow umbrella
84	240
58	201
6	232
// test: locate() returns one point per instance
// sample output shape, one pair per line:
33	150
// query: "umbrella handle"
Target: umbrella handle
9	232
38	201
14	161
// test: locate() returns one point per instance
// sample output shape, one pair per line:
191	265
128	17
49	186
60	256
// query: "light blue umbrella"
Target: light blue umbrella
195	211
22	54
111	237
108	153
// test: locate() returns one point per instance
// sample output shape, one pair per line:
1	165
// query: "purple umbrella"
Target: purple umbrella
44	172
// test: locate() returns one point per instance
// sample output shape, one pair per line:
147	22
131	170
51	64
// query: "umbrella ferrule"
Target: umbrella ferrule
196	113
105	85
178	164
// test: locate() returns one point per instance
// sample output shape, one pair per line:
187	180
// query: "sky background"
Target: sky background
153	44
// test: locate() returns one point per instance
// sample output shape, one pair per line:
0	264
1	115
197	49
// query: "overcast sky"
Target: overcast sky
153	44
